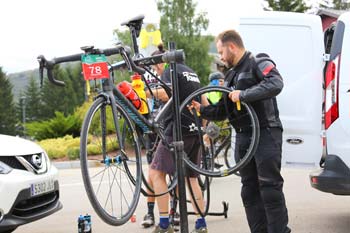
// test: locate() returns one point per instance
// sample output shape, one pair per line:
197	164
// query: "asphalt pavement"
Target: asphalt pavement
310	211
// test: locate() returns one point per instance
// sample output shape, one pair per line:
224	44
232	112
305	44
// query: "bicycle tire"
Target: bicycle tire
113	162
205	189
246	109
171	180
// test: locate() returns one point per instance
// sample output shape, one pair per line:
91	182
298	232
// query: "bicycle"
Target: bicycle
101	127
117	170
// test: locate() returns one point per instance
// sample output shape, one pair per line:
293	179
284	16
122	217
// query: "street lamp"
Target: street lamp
23	100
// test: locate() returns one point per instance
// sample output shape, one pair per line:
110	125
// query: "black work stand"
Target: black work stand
179	147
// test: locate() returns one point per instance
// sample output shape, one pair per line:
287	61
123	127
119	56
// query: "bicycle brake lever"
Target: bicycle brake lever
129	62
42	61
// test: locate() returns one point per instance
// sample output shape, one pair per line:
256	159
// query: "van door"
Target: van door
337	92
295	42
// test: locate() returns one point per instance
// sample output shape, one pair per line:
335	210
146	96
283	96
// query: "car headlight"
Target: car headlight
4	168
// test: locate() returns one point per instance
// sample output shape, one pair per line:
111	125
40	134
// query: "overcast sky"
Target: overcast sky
58	28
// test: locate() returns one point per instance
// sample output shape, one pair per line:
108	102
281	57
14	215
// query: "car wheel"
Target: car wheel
9	230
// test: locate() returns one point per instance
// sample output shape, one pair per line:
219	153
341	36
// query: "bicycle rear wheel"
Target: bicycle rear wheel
204	184
111	169
220	168
146	153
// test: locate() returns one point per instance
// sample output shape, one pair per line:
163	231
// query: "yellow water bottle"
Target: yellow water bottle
139	87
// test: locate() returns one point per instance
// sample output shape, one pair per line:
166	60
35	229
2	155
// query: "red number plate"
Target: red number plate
95	67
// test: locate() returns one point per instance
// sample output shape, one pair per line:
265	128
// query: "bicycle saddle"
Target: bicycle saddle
137	20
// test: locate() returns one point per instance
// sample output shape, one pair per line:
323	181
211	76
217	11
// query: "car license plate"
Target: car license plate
42	187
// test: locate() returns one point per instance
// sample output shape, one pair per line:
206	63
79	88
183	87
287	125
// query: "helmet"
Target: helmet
216	75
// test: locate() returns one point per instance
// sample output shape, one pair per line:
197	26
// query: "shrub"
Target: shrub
73	153
58	126
95	149
55	153
59	147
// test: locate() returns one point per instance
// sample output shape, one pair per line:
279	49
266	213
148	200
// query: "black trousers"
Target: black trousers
262	183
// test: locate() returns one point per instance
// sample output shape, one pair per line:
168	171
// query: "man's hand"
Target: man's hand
234	95
194	104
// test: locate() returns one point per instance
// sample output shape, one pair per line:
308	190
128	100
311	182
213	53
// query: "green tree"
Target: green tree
288	5
8	118
325	4
32	101
125	38
78	83
341	5
180	23
62	99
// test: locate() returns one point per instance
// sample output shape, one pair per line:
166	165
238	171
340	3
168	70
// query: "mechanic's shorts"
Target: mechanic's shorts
164	159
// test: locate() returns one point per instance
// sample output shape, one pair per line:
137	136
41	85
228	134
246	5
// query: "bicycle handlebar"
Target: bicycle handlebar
49	64
124	51
167	57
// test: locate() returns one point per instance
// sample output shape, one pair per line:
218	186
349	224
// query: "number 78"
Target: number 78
95	70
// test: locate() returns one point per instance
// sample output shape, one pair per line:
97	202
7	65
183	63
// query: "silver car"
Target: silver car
29	188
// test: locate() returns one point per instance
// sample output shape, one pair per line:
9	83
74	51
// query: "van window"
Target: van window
328	37
337	41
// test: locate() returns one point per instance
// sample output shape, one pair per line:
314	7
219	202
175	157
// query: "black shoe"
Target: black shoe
176	220
148	220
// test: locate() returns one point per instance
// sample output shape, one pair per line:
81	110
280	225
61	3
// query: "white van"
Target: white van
295	41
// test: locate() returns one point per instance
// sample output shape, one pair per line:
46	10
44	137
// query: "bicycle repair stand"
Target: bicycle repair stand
178	145
223	213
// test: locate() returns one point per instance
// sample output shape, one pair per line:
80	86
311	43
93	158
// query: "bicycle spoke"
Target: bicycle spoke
219	137
114	185
99	186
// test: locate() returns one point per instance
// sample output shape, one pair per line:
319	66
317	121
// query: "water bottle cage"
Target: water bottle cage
136	99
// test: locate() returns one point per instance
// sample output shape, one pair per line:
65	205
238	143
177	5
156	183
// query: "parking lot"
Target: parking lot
310	211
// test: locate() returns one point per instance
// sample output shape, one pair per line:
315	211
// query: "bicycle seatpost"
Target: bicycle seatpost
135	25
134	41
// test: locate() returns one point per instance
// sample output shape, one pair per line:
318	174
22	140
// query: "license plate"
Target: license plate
42	187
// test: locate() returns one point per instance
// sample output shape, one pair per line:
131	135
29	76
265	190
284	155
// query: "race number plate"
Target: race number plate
42	187
95	66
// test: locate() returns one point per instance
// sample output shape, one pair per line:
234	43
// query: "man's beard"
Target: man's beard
229	62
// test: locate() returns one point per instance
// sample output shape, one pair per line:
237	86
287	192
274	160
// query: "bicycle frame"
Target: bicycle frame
116	97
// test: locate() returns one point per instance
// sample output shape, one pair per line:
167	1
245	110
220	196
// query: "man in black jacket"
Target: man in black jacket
254	80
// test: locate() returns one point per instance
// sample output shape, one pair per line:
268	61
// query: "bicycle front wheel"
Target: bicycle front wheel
219	136
110	165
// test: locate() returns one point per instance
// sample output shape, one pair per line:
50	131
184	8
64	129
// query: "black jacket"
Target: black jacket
260	83
188	82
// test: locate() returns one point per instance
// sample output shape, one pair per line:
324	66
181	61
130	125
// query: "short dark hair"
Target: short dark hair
160	50
230	36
